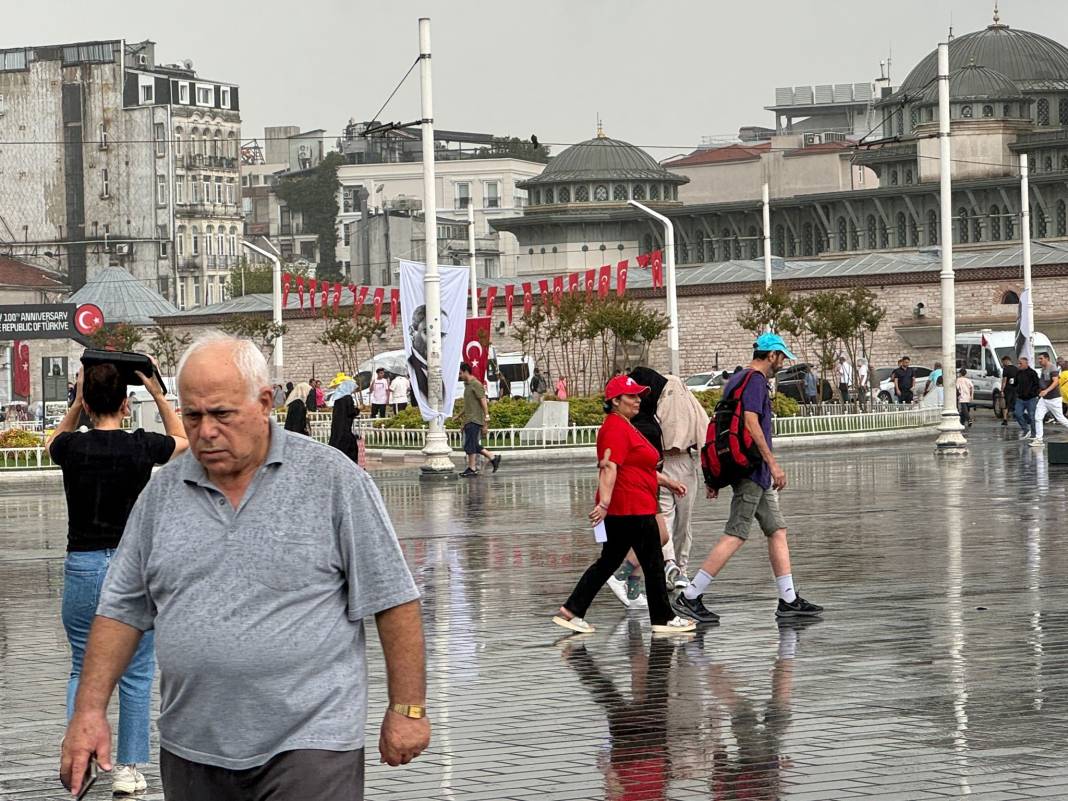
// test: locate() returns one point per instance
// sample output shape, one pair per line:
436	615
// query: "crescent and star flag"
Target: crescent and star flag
572	283
591	282
394	306
528	299
476	345
414	325
88	319
605	282
311	292
491	295
337	296
558	289
621	278
325	286
658	269
20	383
380	295
546	296
352	289
509	291
362	299
643	261
286	277
300	290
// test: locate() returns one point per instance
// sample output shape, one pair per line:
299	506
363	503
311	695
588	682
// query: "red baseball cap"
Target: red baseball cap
623	385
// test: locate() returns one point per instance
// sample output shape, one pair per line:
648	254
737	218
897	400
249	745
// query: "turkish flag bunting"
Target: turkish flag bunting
380	295
509	291
605	282
362	299
528	298
572	282
621	277
546	297
591	282
643	261
325	285
558	289
658	269
394	306
312	284
355	299
286	278
300	290
491	295
337	296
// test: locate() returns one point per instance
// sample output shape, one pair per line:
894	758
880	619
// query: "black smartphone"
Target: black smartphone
127	363
89	779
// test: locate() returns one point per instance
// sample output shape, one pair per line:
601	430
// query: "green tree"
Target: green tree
116	336
262	330
314	194
167	348
768	308
346	335
517	148
858	320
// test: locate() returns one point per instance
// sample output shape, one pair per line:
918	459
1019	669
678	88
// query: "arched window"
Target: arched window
725	244
806	239
209	240
1047	164
791	243
778	244
1010	225
647	243
962	225
220	242
1064	163
977	229
900	122
619	192
535	198
753	242
600	194
178	141
913	116
1062	111
639	192
843	242
1042	111
231	146
902	230
932	228
914	232
908	176
988	110
179	240
995	223
654	191
549	195
884	235
1031	163
893	177
582	194
194	141
1061	231
854	236
194	242
1040	222
1006	110
966	111
564	196
871	232
1010	298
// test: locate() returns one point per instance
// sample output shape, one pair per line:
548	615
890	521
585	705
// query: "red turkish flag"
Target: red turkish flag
509	291
546	296
528	298
362	299
300	290
325	286
337	296
355	299
312	284
21	374
591	282
605	282
491	295
658	269
621	278
380	295
643	260
286	277
476	345
572	283
558	289
394	306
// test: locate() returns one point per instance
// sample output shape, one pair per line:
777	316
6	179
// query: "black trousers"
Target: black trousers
639	532
306	775
378	410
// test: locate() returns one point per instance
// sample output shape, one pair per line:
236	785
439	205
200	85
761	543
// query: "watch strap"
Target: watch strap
413	711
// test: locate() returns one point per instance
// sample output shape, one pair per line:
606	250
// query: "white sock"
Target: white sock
787	643
698	585
786	588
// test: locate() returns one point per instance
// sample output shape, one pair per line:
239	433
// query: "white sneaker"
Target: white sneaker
641	602
1037	442
681	581
620	589
574	624
676	625
127	779
1024	435
671	570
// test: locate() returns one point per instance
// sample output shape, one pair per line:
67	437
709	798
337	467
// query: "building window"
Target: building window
1040	223
1043	111
178	142
461	192
791	244
196	290
230	193
914	232
654	191
147	91
995	223
194	190
1064	163
977	229
161	139
161	189
549	194
205	95
988	110
103	135
778	244
491	192
1006	110
619	192
519	198
565	195
806	239
209	240
966	111
1010	225
843	242
206	179
179	240
536	198
871	232
908	176
582	194
224	96
854	236
1061	230
1047	164
893	177
183	92
194	242
164	243
962	225
753	244
181	295
218	189
932	228
220	240
105	183
600	194
902	230
884	235
639	192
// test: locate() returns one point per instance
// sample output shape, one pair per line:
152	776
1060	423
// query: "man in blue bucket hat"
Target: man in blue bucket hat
755	496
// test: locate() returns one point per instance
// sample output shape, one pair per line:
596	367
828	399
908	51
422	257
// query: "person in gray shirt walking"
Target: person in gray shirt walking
258	617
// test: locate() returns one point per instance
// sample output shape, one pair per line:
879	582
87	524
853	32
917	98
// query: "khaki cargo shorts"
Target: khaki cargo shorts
751	501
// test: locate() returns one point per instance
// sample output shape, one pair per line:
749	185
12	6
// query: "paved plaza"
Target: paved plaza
940	670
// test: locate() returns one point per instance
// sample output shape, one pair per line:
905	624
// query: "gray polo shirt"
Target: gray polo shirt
258	611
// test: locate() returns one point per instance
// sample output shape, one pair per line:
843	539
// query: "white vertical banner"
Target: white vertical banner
1024	333
454	283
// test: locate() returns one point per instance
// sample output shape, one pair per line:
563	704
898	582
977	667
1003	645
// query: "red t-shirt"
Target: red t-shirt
636	490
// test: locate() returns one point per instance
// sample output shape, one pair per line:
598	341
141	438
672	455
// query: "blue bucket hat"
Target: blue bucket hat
772	342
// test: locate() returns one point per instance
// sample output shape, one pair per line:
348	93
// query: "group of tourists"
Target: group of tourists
1030	395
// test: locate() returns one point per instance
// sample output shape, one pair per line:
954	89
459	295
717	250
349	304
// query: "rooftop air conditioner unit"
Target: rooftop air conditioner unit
142	59
122	250
813	139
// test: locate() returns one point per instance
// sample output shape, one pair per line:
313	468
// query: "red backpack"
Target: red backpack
729	453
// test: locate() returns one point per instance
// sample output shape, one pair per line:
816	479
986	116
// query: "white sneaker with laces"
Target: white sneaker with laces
681	581
127	779
1037	442
620	590
641	602
676	625
574	624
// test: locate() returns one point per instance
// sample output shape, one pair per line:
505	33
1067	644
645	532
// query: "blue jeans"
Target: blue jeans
83	577
1025	414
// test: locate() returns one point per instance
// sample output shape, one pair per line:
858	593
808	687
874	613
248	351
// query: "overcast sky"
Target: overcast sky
661	73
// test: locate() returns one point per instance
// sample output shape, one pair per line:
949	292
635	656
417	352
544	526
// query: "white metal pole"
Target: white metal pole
672	297
437	451
1025	239
767	239
950	438
471	248
276	304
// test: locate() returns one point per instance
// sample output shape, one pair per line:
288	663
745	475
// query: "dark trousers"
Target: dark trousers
378	410
965	414
844	390
639	532
1025	414
306	775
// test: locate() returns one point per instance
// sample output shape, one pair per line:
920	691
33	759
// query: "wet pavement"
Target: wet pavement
940	669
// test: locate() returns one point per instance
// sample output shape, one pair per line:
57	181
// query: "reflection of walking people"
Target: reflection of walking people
1049	396
755	497
475	422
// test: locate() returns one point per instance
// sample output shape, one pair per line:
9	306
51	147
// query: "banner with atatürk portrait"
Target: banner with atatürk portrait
414	324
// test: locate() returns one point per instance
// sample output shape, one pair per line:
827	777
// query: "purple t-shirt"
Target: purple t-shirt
756	398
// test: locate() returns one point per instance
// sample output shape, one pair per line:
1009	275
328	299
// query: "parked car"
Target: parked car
790	382
699	382
885	383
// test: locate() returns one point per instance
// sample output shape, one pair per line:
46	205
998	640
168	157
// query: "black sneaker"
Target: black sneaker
468	473
799	608
496	462
695	609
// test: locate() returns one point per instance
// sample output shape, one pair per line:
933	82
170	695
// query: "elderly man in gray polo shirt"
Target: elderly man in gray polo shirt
255	558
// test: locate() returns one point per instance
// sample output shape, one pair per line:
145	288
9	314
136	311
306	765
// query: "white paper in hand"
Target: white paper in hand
600	533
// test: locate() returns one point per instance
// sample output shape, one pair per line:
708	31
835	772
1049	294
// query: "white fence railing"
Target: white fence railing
911	416
24	458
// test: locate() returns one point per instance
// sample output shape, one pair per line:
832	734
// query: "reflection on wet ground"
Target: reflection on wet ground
939	671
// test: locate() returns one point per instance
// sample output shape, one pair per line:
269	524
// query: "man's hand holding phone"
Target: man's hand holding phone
87	742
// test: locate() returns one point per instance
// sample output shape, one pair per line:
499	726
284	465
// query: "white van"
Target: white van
980	353
516	367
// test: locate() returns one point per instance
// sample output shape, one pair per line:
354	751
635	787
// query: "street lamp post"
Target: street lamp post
276	303
1025	238
672	298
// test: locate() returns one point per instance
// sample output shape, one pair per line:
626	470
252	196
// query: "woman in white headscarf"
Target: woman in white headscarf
296	410
343	416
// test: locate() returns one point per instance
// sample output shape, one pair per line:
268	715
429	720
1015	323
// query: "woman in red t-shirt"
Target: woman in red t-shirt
627	502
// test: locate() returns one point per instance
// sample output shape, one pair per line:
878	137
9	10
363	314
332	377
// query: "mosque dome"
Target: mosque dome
975	83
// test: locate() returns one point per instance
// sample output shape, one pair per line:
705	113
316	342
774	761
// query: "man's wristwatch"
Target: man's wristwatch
413	711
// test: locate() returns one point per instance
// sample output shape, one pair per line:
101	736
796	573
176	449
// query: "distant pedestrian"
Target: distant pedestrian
342	418
561	388
398	393
278	398
379	393
965	397
904	378
627	504
863	378
755	497
320	396
297	409
932	379
843	372
311	402
1063	363
475	420
1008	389
1026	398
538	385
811	386
1049	396
504	387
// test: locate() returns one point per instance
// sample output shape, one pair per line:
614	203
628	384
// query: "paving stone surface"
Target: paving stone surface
939	671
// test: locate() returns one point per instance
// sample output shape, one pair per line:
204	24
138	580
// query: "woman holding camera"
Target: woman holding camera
104	471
